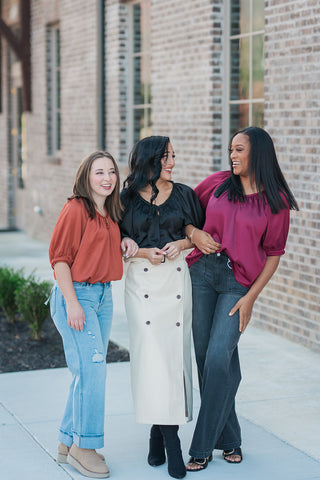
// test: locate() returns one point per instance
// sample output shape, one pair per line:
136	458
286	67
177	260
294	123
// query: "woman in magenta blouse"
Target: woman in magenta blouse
247	220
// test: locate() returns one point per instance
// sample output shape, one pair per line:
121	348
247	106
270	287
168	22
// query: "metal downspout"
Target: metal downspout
101	76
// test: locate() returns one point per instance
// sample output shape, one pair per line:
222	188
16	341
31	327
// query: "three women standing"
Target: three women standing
158	296
237	252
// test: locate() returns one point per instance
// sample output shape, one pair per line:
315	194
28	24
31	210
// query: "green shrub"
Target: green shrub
31	300
10	282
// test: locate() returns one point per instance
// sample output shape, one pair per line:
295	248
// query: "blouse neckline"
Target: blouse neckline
161	204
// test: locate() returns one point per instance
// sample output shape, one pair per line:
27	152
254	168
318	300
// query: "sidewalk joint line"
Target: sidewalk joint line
33	437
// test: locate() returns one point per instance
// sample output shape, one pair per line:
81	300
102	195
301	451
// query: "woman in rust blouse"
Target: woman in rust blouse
85	255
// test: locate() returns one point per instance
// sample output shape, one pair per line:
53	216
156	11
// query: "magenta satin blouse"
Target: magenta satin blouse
248	231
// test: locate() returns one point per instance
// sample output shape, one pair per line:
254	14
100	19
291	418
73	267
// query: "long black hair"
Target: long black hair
145	165
264	171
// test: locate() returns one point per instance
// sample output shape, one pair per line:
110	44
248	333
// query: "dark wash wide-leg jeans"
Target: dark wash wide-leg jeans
216	335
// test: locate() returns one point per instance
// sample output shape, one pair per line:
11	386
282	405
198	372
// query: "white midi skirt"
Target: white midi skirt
158	305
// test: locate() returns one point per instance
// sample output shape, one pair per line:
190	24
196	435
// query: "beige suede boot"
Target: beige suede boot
87	462
63	451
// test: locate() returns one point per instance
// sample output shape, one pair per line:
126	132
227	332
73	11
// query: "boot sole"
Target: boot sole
156	463
62	458
87	473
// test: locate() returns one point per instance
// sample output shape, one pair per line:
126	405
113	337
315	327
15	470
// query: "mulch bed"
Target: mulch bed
19	352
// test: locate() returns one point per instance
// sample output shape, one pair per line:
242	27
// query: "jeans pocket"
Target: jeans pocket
235	286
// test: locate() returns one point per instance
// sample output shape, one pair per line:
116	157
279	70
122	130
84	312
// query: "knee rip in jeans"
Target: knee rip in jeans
97	357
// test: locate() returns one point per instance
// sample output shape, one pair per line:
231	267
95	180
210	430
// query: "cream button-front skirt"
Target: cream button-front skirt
158	302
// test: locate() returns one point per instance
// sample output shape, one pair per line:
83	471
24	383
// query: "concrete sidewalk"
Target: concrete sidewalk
278	404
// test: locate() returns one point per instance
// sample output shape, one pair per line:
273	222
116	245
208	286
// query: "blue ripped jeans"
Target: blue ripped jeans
216	335
85	352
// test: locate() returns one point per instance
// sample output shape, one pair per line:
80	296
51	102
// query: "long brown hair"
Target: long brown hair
82	189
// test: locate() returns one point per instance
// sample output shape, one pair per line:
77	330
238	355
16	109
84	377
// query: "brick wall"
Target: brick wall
48	183
116	46
3	151
186	79
4	171
187	83
187	98
290	304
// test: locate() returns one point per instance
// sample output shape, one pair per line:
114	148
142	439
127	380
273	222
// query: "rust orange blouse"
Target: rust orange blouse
89	246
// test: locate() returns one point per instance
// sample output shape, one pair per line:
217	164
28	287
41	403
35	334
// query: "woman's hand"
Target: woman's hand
245	306
172	249
75	316
75	313
154	255
204	242
129	247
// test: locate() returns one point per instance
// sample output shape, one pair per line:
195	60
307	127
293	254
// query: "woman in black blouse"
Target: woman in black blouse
158	296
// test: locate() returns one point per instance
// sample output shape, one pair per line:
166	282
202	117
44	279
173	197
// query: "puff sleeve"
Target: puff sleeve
68	232
190	206
275	237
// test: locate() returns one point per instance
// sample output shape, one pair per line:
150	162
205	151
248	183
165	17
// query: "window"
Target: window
53	91
246	48
140	83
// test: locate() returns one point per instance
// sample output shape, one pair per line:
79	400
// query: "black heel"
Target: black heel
157	454
176	466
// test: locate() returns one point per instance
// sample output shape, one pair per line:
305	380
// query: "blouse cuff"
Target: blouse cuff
275	253
62	259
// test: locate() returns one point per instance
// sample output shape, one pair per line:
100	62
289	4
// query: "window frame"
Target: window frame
227	68
53	91
143	53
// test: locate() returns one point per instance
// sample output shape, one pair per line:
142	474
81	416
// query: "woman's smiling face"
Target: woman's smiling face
240	154
103	178
168	163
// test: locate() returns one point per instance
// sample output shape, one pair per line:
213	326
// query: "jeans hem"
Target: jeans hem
195	454
207	453
65	439
228	446
92	442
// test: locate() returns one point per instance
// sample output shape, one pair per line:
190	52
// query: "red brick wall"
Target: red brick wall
187	71
4	171
47	184
290	304
186	79
186	91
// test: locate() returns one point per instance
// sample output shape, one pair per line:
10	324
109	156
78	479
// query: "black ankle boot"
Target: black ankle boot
157	454
176	467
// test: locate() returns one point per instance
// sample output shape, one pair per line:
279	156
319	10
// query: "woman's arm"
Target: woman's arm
75	313
245	304
172	249
129	247
202	240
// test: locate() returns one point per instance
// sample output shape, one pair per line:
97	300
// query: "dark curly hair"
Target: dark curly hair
145	165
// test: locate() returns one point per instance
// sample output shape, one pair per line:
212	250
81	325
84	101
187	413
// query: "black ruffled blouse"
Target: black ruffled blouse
154	226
